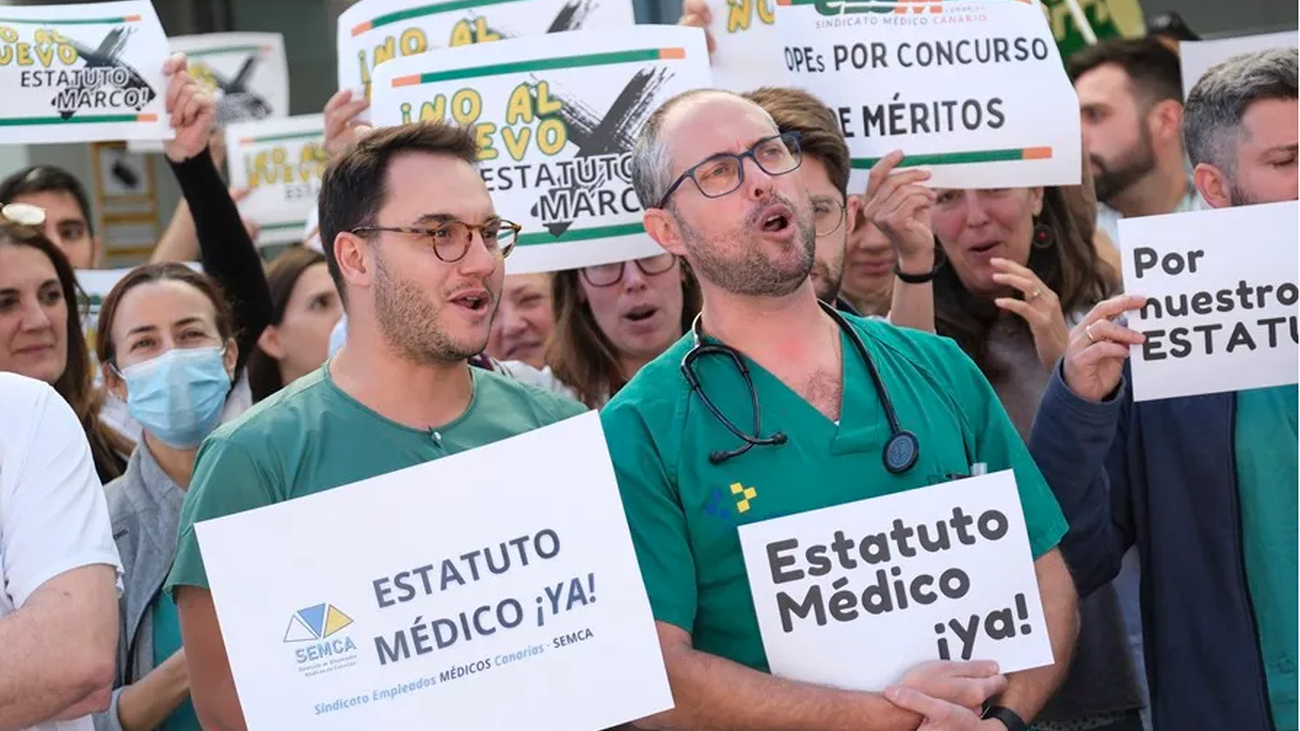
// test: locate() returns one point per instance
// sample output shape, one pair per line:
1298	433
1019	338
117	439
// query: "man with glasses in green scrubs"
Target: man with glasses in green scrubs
712	171
417	250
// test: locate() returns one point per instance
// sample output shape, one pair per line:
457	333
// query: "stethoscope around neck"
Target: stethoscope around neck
901	450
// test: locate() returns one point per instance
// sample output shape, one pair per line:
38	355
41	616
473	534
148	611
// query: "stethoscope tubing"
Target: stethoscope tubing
901	450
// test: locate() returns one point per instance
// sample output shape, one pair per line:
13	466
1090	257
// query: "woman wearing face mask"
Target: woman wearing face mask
168	350
40	329
225	250
306	307
611	319
1016	267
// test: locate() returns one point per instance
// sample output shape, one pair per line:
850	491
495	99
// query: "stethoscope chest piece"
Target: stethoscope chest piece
901	451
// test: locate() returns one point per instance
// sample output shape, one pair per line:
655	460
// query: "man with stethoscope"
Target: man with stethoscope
803	409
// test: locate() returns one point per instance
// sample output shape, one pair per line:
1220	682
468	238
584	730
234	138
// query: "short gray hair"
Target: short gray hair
652	163
1212	116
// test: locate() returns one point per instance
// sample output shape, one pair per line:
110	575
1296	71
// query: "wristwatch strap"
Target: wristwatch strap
916	278
1008	717
929	276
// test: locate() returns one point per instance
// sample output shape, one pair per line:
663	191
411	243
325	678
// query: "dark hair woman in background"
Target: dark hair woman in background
40	329
305	307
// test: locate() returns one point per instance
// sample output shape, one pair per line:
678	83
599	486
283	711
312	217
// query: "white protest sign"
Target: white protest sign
853	596
82	73
556	123
747	49
1197	57
474	592
372	32
311	229
1222	291
280	162
247	73
973	91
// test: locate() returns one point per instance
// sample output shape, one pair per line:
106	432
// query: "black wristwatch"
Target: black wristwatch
929	276
1008	717
916	278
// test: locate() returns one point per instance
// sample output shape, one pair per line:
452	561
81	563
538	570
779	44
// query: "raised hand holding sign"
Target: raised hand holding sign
192	111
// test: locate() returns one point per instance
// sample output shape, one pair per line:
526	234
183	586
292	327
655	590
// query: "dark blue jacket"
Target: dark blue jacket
1163	474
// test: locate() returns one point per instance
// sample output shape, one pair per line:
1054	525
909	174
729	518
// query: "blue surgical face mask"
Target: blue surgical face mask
178	396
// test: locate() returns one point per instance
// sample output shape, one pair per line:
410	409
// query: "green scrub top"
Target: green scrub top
683	511
1267	471
311	436
166	641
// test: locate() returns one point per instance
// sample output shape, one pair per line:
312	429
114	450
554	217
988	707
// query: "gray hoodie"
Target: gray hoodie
145	506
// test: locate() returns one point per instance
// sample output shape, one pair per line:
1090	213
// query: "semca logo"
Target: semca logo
321	644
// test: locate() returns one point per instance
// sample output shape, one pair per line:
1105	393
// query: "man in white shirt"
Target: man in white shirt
58	566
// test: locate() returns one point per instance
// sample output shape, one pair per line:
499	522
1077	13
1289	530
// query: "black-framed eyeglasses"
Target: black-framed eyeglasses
451	240
723	173
828	214
607	275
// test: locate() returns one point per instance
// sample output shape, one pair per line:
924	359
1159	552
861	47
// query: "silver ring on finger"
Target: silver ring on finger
1034	295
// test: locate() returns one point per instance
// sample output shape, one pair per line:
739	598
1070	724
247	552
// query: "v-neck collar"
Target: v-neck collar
858	430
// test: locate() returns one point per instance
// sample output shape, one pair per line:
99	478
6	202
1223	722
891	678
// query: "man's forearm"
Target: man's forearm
719	695
180	242
57	661
1029	690
212	685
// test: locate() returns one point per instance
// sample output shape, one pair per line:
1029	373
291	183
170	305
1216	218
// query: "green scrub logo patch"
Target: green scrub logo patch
743	496
720	502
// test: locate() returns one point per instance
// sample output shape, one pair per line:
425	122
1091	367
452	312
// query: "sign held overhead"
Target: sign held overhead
555	124
82	73
973	90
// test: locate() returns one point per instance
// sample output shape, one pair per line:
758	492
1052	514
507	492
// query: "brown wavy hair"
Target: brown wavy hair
282	276
77	383
580	355
1069	266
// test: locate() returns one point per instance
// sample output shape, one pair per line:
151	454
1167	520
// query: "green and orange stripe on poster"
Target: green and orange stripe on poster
545	64
961	158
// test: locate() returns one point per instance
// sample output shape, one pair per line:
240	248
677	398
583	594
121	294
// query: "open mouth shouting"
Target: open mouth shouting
986	251
475	301
641	318
777	219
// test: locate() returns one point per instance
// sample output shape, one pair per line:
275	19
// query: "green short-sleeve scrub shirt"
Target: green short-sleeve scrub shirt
311	437
684	511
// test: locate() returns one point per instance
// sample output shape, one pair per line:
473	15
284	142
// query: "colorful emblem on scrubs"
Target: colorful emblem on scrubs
743	496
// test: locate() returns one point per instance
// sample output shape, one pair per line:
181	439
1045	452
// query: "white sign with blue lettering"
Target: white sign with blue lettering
474	592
